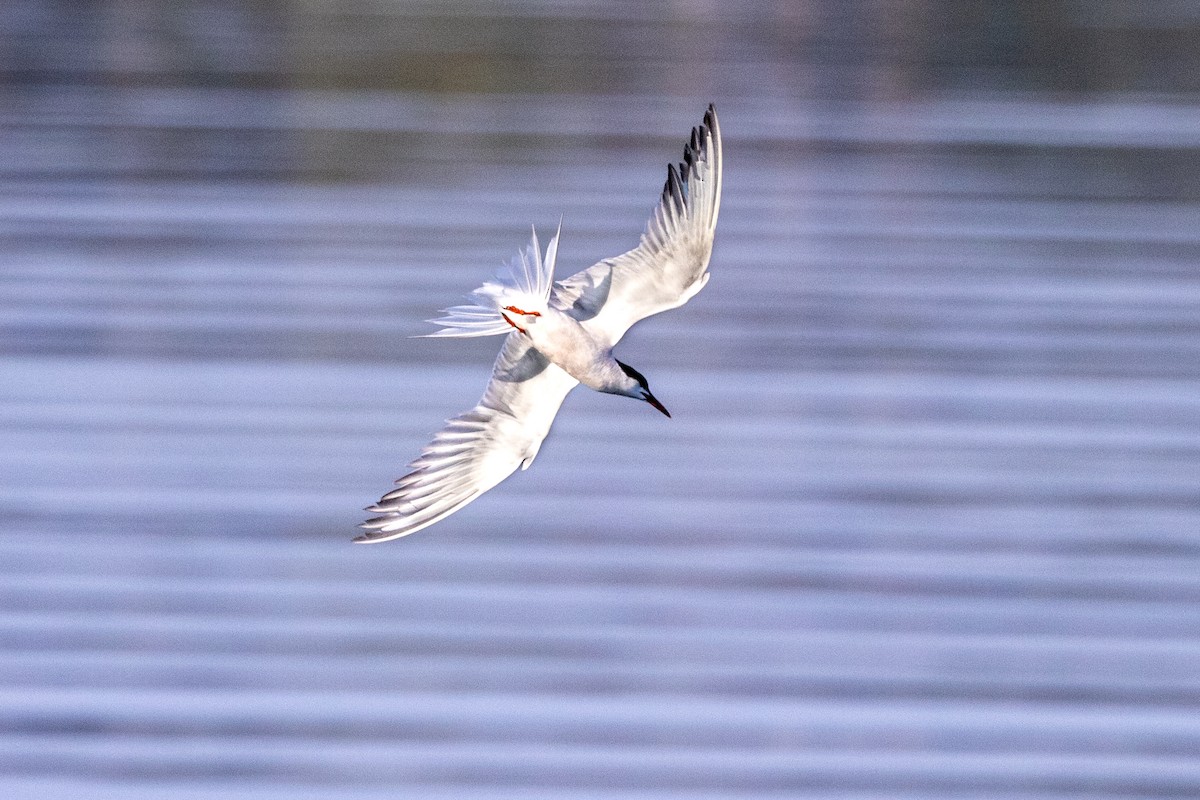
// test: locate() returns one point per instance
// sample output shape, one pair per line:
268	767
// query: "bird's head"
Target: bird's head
637	387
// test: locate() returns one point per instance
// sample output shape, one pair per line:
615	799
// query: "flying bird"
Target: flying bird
558	335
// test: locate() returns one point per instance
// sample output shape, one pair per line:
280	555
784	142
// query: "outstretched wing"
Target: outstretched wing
670	264
478	449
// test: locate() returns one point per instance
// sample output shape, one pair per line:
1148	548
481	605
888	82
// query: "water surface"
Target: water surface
924	523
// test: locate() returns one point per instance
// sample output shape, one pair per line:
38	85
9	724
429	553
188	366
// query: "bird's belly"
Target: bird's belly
567	345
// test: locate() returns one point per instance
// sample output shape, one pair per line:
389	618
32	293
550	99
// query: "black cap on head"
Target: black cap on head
633	373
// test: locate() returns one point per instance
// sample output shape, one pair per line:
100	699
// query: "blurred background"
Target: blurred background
926	521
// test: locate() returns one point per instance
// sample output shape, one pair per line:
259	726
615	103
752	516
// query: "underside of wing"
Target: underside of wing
478	449
670	264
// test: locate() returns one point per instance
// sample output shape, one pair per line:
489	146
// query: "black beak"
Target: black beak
652	400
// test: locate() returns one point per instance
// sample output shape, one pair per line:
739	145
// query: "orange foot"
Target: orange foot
516	310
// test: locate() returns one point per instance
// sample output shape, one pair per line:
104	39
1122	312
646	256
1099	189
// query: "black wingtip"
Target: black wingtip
674	188
712	128
697	145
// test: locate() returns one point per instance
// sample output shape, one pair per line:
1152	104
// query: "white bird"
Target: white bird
559	334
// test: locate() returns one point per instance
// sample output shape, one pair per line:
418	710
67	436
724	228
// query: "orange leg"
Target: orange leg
510	322
516	310
523	313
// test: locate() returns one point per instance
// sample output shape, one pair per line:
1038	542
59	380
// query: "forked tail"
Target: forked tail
523	283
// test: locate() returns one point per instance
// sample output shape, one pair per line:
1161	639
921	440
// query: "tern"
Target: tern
559	334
